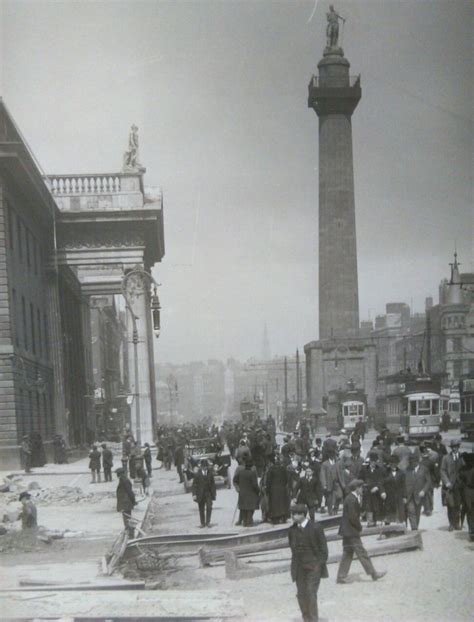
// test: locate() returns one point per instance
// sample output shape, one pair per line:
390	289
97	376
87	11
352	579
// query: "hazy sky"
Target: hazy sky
219	92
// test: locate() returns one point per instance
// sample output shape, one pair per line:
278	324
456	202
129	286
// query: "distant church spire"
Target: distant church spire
266	354
454	291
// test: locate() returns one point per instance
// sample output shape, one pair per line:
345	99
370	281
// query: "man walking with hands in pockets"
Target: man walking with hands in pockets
309	554
350	531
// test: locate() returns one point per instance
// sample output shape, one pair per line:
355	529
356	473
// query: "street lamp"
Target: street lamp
155	312
135	282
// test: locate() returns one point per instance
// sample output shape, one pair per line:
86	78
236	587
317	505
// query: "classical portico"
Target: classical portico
110	224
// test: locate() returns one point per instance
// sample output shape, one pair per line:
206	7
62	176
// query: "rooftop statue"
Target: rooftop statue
332	29
131	159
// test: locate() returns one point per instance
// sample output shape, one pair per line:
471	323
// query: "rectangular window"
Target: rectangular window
46	417
41	425
11	232
457	369
32	322
15	322
40	338
27	240
46	337
20	416
35	253
457	344
19	235
25	326
31	416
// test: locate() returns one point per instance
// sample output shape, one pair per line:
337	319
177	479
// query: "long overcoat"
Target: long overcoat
249	493
204	486
394	485
277	490
373	478
125	495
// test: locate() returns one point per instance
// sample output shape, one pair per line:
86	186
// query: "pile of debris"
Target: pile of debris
67	495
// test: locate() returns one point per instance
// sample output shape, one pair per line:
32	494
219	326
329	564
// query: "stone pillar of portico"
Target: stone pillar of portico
56	355
139	299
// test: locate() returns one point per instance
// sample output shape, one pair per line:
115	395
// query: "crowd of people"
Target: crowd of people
399	478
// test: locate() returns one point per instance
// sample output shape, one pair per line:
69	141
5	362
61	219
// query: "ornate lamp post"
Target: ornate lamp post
135	283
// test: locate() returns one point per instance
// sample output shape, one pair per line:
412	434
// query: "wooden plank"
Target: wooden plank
177	544
207	555
236	569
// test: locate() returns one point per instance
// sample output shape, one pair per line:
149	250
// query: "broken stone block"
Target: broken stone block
33	486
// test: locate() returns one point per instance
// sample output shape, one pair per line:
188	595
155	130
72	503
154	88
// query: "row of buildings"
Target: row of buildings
67	244
440	340
216	389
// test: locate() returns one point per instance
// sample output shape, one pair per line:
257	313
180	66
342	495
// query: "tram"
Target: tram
250	411
346	408
466	392
413	407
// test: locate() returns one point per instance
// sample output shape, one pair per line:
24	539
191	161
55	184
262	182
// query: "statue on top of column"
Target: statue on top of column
332	29
131	159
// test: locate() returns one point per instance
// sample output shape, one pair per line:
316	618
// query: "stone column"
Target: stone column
56	355
334	96
139	299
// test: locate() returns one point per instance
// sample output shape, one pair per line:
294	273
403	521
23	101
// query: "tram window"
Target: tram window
454	407
412	408
435	407
361	411
424	406
346	411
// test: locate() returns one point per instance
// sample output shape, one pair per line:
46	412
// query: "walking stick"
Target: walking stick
235	512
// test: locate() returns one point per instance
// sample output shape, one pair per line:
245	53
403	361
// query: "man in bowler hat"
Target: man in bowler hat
204	491
451	466
309	554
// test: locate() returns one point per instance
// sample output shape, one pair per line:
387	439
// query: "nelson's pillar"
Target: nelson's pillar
341	354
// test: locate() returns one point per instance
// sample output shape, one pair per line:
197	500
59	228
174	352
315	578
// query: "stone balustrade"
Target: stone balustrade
108	183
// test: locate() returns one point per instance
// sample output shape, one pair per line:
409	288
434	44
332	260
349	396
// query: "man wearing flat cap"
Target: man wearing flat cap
309	554
350	531
451	466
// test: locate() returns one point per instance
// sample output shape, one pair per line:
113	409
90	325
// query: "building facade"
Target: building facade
64	240
43	313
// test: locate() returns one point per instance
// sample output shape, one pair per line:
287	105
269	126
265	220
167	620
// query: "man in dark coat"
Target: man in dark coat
94	464
430	460
204	491
330	484
147	458
417	485
179	459
125	501
246	483
373	475
307	491
309	554
350	530
357	461
394	486
285	451
277	485
329	447
107	462
451	466
467	485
